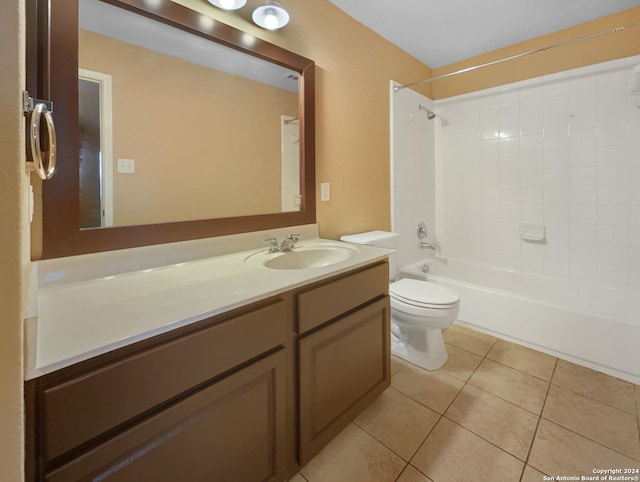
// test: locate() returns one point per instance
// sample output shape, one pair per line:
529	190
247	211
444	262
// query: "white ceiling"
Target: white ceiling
440	32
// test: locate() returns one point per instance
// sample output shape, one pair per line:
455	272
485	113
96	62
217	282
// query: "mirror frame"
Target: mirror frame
57	62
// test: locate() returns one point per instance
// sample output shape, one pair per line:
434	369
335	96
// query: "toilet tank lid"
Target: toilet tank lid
370	237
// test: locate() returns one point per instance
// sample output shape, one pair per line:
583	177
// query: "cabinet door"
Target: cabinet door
343	368
230	431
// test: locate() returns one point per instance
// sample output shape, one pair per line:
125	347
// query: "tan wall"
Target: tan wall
353	70
610	47
225	160
14	243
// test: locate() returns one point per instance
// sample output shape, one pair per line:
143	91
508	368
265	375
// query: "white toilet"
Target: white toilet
420	309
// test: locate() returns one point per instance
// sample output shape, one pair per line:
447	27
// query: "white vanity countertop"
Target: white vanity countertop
79	320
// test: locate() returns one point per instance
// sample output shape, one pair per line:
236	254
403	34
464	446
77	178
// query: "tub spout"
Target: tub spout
425	245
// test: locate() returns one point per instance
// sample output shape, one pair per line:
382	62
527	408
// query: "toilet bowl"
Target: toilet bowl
420	309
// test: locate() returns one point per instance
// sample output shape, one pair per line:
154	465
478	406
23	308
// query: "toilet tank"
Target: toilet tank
381	239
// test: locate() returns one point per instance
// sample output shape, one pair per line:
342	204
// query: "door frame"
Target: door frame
106	141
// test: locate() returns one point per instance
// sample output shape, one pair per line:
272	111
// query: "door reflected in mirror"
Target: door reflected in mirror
174	127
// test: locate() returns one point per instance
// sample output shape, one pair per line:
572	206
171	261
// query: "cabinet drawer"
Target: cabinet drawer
232	430
328	301
343	368
87	406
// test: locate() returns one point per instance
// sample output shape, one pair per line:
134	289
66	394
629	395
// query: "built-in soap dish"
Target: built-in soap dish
532	232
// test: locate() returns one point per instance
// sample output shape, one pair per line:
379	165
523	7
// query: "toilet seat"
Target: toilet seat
418	316
423	294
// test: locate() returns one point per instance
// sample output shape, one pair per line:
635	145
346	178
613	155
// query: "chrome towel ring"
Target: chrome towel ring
35	109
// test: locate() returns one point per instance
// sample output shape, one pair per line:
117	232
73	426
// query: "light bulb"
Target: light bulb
228	4
271	19
271	16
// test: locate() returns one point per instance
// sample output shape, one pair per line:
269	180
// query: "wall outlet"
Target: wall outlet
126	166
325	191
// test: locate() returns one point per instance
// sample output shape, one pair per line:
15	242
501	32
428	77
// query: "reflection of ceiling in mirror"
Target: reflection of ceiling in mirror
124	25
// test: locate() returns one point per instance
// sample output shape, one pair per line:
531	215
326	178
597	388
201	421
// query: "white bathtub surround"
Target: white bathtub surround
577	320
89	305
561	151
537	199
412	171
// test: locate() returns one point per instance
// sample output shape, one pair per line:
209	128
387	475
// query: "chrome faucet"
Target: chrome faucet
425	245
422	235
286	245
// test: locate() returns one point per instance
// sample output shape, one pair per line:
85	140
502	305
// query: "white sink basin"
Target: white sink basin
304	257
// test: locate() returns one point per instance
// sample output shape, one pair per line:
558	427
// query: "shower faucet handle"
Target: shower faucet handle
422	230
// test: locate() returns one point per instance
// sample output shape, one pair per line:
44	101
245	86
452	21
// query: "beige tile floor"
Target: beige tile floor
496	412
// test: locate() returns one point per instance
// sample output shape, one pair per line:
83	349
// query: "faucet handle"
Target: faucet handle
273	243
293	239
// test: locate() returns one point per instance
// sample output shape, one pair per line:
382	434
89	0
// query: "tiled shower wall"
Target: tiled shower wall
412	173
561	150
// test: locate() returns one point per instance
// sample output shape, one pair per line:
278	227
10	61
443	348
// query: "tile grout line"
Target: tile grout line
404	469
441	416
526	462
389	448
590	439
522	371
591	398
551	379
408	462
504	364
538	415
507	401
452	402
524	466
582	395
507	366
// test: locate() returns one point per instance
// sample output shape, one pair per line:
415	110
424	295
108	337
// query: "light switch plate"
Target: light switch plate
325	191
126	166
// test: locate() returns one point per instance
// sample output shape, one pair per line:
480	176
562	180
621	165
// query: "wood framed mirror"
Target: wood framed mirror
56	52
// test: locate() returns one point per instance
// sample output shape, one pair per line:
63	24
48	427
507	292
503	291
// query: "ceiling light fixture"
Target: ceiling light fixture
228	4
271	16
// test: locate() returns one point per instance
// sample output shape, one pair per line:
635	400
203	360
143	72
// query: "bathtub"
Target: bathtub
592	325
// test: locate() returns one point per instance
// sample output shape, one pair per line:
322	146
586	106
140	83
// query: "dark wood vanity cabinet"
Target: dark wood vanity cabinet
344	354
249	395
230	430
206	402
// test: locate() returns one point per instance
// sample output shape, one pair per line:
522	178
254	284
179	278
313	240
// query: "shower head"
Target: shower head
430	114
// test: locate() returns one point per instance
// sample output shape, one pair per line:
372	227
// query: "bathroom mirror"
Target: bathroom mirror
215	143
